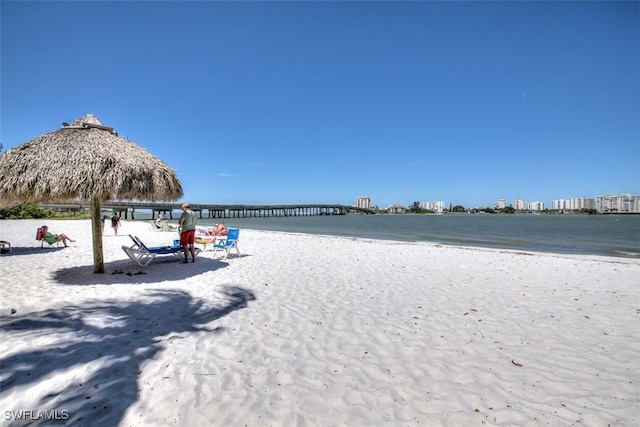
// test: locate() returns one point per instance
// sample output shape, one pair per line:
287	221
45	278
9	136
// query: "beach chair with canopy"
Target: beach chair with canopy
230	242
142	254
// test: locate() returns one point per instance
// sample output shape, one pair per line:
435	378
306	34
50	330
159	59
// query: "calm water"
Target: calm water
611	235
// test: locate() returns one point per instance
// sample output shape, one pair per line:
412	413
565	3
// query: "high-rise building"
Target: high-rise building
579	203
536	206
364	202
518	204
624	203
433	206
561	205
500	204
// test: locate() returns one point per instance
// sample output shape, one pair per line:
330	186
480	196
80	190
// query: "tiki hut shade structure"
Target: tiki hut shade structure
85	161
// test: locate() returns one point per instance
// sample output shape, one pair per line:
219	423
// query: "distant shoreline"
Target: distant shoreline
604	235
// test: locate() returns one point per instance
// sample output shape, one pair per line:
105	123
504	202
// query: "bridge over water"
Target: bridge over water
214	211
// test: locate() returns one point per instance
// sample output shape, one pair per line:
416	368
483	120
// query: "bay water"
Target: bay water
609	235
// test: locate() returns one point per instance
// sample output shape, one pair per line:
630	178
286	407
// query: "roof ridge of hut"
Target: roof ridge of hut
88	121
87	118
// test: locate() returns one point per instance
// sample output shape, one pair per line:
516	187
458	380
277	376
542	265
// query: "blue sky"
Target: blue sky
323	102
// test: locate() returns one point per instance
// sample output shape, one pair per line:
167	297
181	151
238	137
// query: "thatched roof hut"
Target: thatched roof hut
84	161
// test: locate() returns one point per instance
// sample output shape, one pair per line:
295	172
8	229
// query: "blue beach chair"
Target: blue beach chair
229	243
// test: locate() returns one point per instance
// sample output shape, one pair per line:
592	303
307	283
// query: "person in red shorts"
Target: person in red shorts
187	222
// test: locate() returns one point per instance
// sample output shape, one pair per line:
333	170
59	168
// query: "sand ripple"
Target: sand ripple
316	330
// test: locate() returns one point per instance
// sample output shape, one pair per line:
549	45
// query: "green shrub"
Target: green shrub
26	211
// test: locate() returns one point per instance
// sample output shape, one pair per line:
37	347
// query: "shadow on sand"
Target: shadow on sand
112	339
30	250
125	271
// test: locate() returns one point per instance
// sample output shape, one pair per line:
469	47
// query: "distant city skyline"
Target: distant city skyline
519	203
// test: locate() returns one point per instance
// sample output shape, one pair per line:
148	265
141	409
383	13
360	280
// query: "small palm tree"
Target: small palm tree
415	207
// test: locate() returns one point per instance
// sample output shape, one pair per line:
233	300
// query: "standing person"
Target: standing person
103	218
115	223
187	222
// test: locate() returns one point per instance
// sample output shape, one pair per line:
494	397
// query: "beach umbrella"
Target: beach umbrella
85	161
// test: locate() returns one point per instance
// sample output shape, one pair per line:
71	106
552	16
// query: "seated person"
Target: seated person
216	230
161	218
53	238
220	229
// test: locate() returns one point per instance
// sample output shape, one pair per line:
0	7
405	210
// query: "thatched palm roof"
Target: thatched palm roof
81	161
84	161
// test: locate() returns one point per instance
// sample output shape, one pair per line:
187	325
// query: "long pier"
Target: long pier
214	211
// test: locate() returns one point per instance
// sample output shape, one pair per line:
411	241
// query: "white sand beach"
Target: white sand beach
306	330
